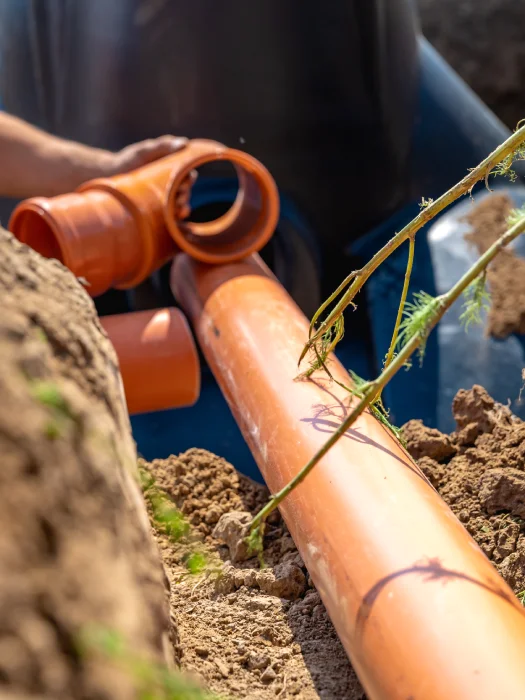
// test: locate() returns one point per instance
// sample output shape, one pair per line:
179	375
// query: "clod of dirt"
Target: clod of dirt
503	489
286	580
428	441
483	478
245	632
506	273
475	412
232	529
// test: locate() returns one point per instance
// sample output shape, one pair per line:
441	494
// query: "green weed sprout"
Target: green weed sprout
168	518
153	681
415	320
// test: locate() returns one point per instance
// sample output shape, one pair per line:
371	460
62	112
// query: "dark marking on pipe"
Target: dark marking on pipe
431	570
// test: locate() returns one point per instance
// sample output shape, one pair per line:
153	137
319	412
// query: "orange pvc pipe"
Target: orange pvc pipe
116	231
417	605
158	359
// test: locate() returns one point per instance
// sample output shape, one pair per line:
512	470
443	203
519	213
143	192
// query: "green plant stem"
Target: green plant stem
482	171
402	302
332	298
374	388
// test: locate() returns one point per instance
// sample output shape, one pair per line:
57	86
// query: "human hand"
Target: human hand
138	154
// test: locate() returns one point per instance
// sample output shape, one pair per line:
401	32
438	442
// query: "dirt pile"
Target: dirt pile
245	632
506	274
75	544
479	470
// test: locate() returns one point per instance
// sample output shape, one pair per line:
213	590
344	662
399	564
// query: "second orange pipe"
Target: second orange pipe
419	608
157	357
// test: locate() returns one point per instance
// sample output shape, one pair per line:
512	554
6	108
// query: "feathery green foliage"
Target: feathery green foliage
516	215
417	318
504	167
477	302
360	388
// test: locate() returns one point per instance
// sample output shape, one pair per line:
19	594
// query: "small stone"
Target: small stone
232	529
250	578
222	667
259	603
269	675
286	580
202	652
258	661
212	516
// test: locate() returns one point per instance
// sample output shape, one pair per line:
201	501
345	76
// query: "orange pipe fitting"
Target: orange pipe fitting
114	232
158	359
419	608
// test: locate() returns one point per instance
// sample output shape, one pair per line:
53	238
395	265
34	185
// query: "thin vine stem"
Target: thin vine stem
344	284
402	301
431	209
374	388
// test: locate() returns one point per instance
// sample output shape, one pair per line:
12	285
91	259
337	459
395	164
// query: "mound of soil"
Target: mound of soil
75	542
506	274
479	470
245	632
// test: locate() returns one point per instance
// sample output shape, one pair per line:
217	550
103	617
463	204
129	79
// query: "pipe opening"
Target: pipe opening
216	205
32	229
245	227
228	222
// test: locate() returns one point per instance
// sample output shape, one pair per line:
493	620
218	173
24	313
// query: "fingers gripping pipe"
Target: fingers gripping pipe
114	232
418	607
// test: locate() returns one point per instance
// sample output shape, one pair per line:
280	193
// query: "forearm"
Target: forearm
35	163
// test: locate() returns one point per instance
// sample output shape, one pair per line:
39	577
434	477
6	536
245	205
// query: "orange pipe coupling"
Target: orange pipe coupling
114	232
418	607
158	359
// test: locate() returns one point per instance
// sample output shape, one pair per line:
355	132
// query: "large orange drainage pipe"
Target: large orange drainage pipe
418	607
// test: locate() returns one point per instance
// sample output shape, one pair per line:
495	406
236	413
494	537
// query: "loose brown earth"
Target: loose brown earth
75	545
506	274
479	470
247	633
260	634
